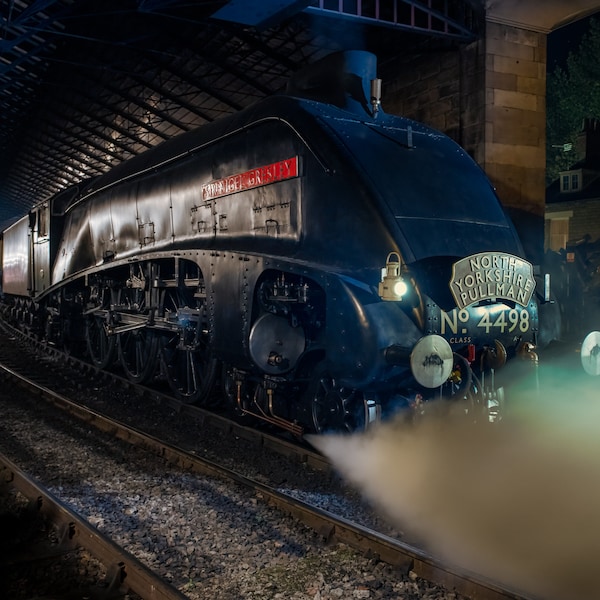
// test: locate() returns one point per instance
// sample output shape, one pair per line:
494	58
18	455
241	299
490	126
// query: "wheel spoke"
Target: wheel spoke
334	407
101	348
138	354
190	372
186	359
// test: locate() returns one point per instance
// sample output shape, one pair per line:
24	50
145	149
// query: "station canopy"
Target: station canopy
87	84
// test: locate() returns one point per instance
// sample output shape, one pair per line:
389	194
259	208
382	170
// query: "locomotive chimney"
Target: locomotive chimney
345	79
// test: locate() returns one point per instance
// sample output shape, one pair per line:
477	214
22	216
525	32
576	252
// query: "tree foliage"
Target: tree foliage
573	94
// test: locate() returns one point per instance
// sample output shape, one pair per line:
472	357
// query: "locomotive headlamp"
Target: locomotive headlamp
392	285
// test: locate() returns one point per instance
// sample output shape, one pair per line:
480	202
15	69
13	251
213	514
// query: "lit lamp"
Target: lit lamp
392	286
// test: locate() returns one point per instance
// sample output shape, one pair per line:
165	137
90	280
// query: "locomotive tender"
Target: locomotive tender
324	261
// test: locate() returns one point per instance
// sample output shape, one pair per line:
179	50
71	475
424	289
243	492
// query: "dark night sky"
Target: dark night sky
565	40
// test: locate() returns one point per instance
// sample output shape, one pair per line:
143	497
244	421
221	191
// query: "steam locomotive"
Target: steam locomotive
326	263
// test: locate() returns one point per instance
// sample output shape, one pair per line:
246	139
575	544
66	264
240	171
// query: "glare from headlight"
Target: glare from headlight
400	288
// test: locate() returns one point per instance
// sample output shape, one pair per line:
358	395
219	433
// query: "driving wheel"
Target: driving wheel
101	347
189	369
138	351
334	407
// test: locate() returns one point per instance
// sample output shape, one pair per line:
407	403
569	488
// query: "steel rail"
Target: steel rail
281	445
331	527
128	572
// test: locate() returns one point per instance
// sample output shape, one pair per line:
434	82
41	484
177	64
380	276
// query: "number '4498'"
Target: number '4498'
505	321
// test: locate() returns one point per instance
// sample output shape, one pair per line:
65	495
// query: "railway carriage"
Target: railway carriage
324	261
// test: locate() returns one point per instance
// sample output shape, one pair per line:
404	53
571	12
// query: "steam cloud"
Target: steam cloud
519	503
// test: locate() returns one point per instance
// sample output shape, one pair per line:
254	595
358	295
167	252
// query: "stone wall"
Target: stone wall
515	83
442	88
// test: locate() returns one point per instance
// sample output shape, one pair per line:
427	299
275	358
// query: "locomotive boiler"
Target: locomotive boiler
326	263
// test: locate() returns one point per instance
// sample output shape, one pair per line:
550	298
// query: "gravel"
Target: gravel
208	538
63	573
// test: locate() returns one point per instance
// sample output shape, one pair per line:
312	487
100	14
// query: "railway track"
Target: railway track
58	532
329	526
83	372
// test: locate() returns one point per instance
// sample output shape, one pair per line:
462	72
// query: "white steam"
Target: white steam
519	503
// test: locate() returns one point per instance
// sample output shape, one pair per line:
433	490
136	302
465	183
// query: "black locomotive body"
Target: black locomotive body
324	261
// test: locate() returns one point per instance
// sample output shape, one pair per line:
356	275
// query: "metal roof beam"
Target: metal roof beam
32	182
47	152
51	148
148	107
36	9
29	57
79	121
154	5
113	109
29	25
427	16
92	143
258	45
263	14
197	83
230	69
177	100
40	184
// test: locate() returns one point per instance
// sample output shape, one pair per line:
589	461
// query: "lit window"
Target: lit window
557	230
